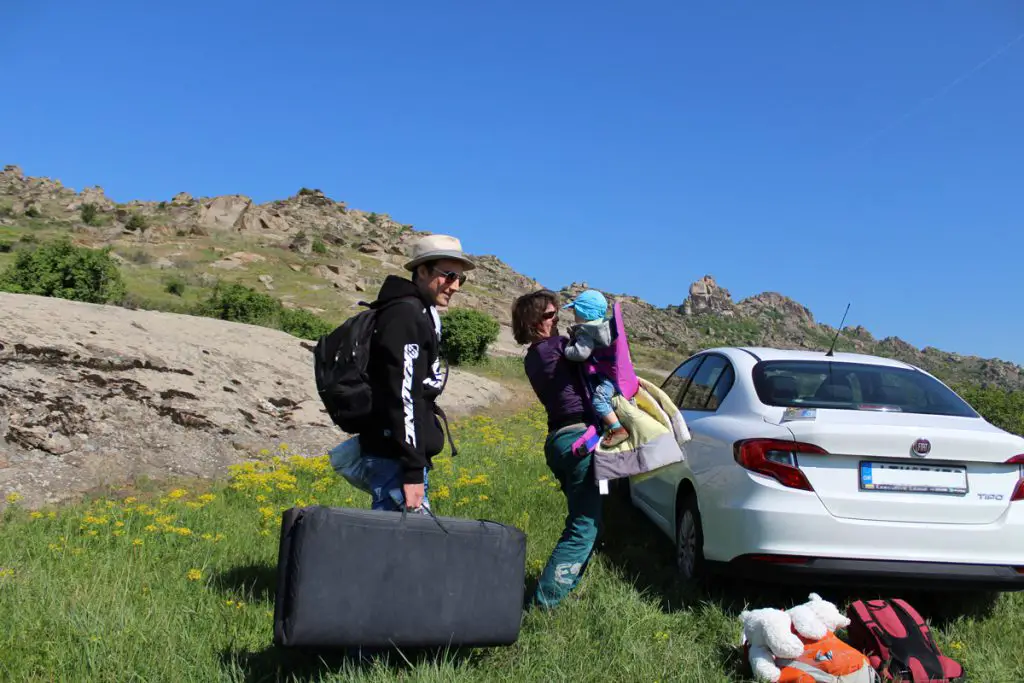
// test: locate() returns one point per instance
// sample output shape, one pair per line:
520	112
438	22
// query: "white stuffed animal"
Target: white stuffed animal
833	618
769	633
816	617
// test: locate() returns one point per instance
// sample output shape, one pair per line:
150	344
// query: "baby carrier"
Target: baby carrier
656	428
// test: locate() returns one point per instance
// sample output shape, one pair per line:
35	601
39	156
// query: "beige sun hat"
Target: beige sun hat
436	247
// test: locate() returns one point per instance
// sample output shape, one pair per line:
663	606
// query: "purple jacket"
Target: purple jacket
557	382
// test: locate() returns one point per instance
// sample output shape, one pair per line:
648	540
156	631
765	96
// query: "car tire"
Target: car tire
689	542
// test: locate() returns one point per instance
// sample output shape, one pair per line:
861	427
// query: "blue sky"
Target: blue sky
833	151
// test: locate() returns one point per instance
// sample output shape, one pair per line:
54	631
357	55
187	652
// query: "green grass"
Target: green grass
501	368
165	584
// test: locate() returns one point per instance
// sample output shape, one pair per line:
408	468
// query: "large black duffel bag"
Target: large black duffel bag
363	578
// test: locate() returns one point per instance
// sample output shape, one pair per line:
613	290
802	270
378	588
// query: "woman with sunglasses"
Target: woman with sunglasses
559	385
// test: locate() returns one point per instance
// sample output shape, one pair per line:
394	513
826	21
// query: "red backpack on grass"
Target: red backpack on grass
899	643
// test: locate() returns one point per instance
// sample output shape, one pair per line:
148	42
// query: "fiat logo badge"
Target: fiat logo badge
921	447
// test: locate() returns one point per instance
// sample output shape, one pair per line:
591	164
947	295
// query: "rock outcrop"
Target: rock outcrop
706	296
95	395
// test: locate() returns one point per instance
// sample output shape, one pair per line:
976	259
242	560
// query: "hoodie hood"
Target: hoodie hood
599	330
395	287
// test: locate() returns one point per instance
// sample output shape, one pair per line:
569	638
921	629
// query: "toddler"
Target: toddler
592	331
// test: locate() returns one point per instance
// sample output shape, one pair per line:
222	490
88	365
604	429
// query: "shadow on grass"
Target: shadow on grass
280	664
646	557
257	581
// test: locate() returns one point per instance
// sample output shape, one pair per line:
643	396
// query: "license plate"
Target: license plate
913	478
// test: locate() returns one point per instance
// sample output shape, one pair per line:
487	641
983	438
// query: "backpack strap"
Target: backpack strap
924	662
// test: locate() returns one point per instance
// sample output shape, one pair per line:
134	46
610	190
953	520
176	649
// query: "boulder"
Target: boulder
95	395
223	213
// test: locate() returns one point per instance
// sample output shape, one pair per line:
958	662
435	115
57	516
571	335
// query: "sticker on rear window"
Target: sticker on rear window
791	414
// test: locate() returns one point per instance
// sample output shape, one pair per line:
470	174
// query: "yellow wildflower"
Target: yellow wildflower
207	498
52	514
177	493
442	492
482	497
119	523
118	532
35	514
261	498
137	542
207	537
5	572
129	500
13	497
150	528
194	575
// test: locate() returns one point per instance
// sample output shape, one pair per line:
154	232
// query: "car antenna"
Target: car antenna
831	349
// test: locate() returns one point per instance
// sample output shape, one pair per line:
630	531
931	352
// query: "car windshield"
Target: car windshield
854	386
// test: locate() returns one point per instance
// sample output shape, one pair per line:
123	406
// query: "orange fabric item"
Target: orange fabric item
829	655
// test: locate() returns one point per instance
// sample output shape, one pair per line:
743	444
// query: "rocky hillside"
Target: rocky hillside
316	253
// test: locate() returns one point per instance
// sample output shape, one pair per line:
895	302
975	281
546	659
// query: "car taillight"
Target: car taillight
776	458
1018	490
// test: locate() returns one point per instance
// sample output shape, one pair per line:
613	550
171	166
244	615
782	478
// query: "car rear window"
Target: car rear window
854	386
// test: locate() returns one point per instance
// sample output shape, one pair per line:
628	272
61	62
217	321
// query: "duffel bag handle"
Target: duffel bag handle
405	511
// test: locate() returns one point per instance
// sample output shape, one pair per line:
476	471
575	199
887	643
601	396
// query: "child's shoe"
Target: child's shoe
613	437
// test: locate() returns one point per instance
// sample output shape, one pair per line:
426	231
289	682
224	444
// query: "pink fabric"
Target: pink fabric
615	362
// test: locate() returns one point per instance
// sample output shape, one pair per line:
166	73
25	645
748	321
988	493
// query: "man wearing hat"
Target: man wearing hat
403	432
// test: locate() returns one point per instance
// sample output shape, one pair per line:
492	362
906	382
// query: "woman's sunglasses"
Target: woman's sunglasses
450	276
548	315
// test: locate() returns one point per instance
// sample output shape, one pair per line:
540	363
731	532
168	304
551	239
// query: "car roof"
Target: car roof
766	353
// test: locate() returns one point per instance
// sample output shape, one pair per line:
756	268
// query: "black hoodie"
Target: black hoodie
405	375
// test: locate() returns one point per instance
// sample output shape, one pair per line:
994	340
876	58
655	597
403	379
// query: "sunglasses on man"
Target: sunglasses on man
451	276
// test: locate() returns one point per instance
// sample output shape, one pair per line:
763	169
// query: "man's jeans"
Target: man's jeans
380	477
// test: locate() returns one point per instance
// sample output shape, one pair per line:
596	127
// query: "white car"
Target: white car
843	468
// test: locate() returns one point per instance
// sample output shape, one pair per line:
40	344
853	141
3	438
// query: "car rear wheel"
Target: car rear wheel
689	541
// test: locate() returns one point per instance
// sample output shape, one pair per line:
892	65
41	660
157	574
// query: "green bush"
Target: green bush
304	324
89	213
175	285
1004	409
65	271
319	247
240	304
466	334
137	223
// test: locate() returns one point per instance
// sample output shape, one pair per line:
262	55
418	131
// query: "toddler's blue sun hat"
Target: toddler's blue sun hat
590	304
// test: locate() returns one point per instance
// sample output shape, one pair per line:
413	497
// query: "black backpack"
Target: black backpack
340	361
